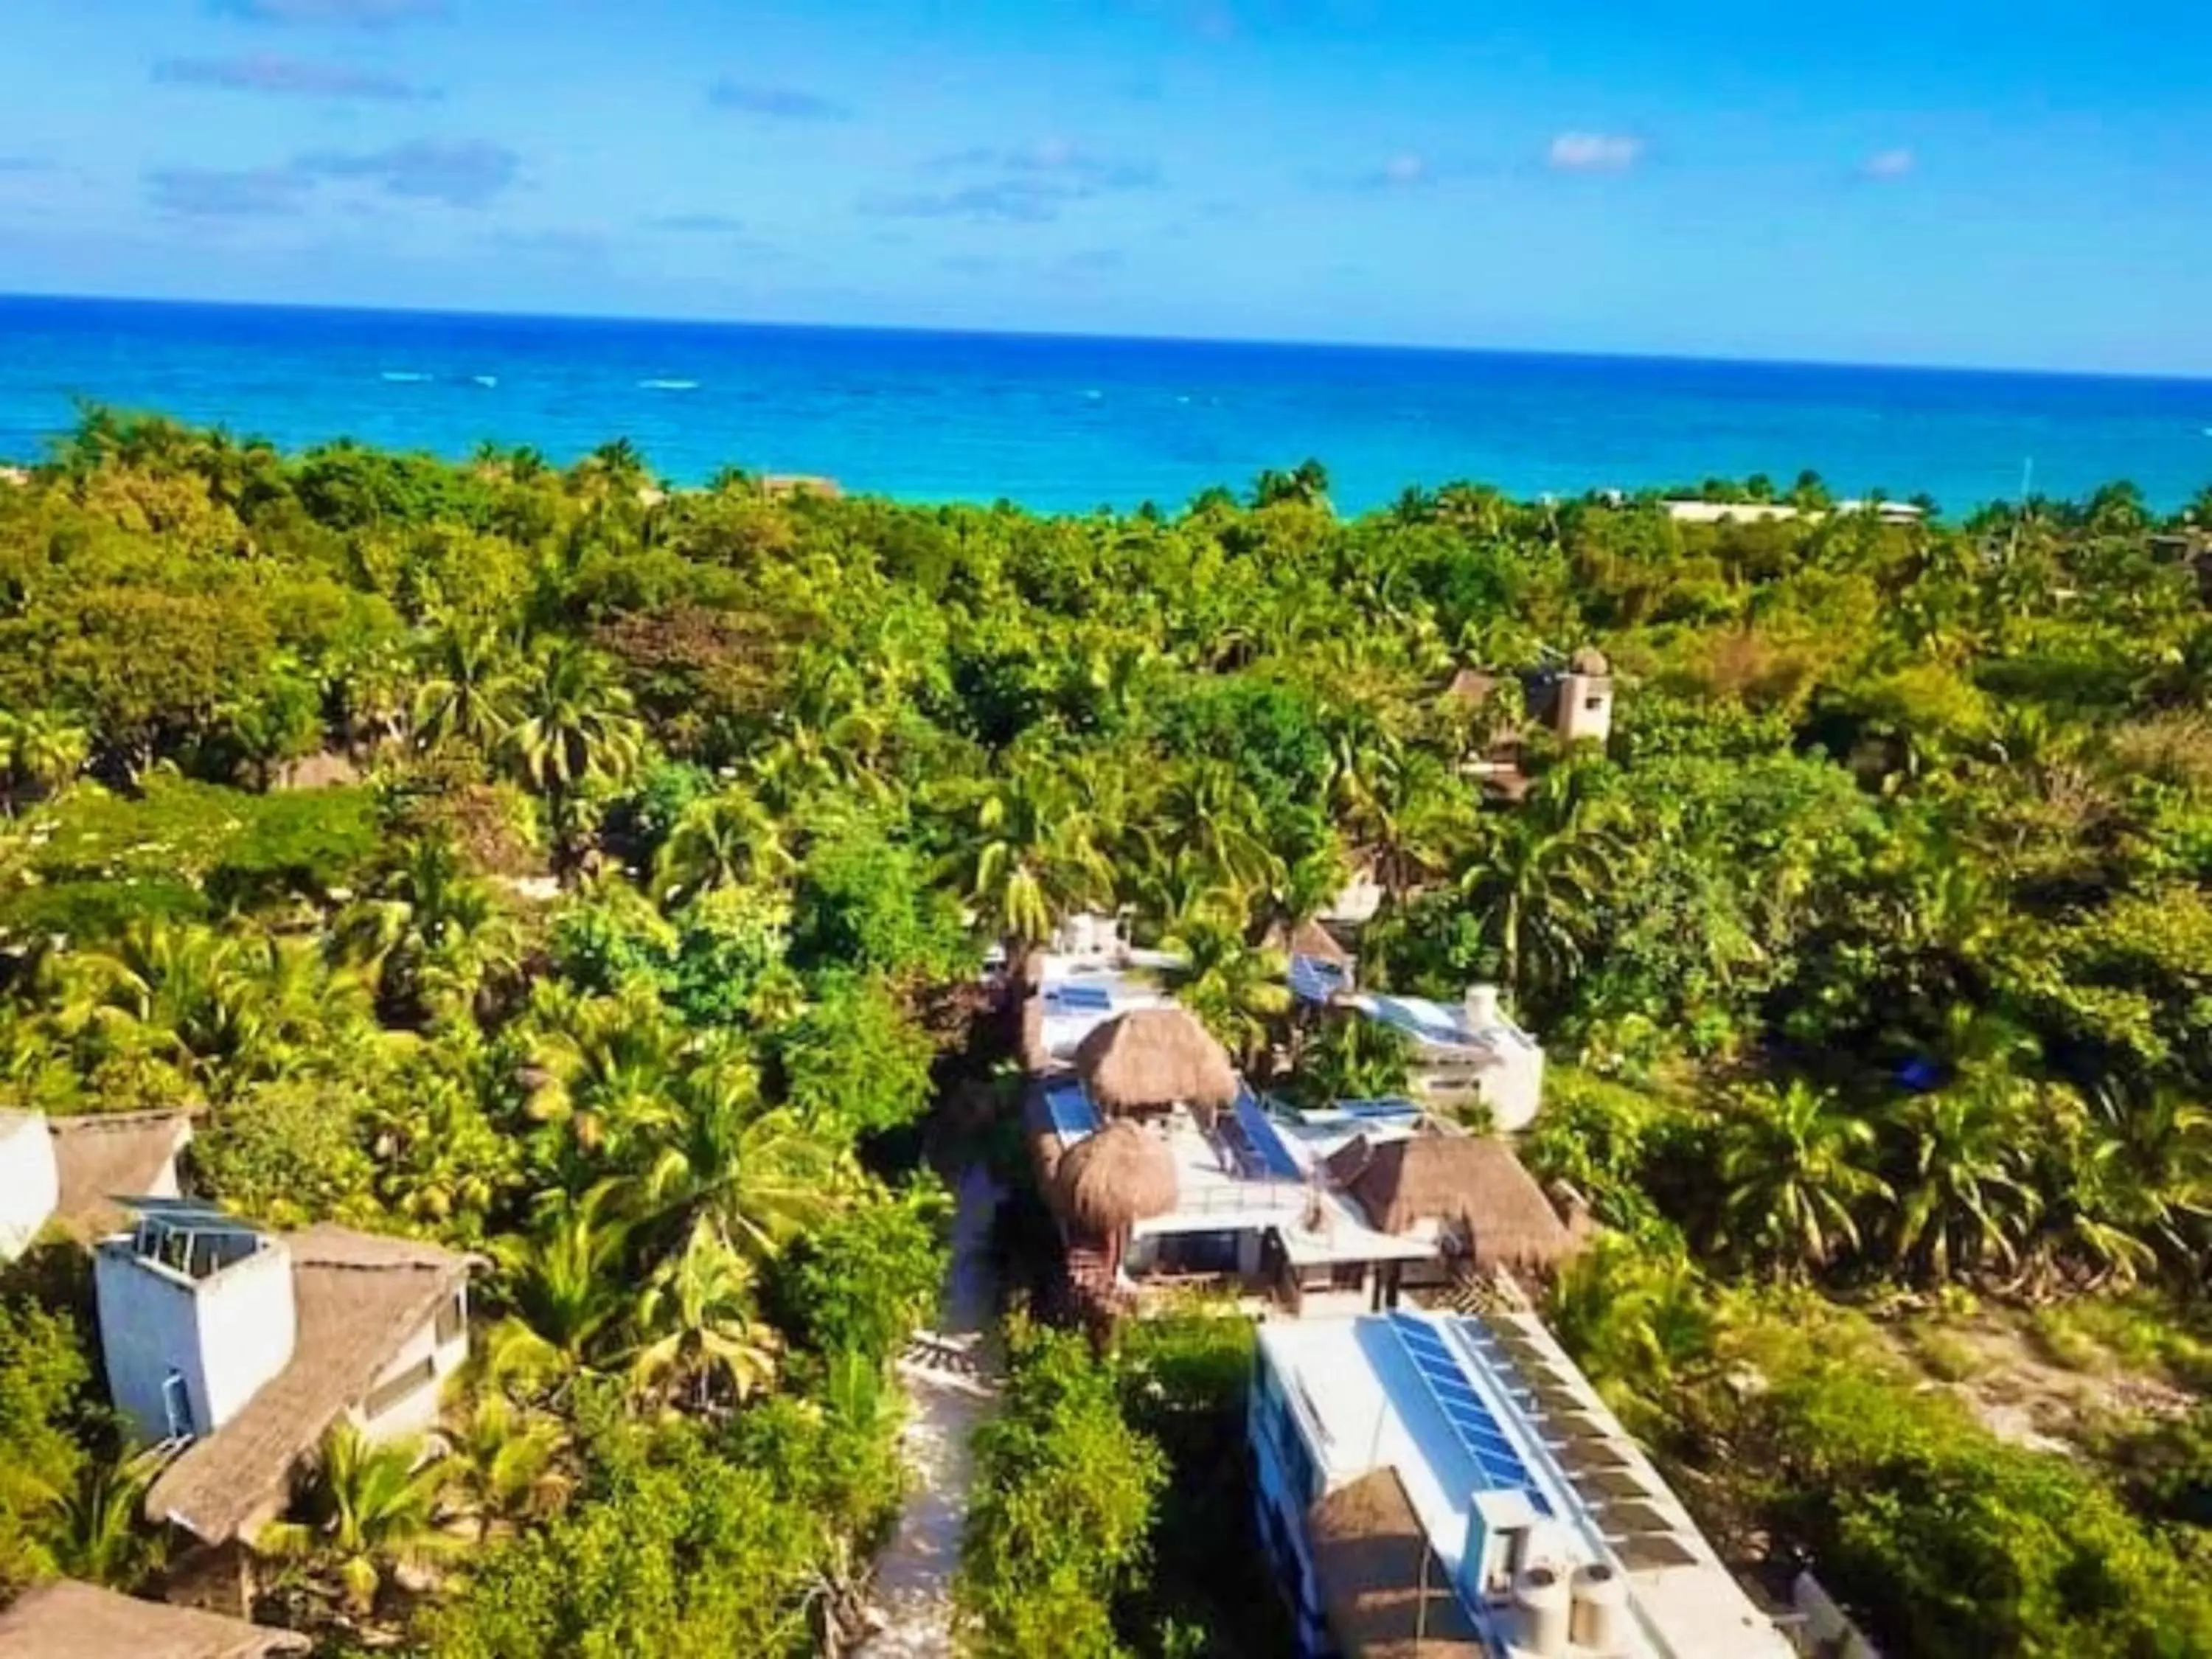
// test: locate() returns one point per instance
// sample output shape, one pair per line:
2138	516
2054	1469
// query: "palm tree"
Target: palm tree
1029	856
1962	1202
1632	1318
368	1509
1793	1168
435	939
468	688
758	1173
608	1074
698	1334
1238	992
165	987
574	729
2127	1180
1353	1059
40	751
1538	879
100	1540
566	1283
1211	812
506	1465
722	839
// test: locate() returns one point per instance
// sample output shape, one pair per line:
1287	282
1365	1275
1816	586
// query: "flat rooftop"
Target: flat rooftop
1318	1225
1372	1392
1080	994
1445	1026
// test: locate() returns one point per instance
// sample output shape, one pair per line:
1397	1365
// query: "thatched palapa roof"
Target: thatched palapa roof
359	1297
1386	1594
1473	1180
1471	687
68	1620
109	1155
1123	1173
1152	1058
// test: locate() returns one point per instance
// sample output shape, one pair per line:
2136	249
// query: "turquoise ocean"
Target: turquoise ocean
1070	423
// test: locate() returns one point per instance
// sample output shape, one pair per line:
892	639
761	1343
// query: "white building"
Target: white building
1311	1213
1454	1485
1459	1056
30	1184
246	1347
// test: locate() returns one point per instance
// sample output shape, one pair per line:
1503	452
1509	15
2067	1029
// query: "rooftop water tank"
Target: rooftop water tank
1599	1619
1541	1610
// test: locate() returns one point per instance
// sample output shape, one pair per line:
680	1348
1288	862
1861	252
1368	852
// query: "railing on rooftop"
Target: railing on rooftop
1246	1195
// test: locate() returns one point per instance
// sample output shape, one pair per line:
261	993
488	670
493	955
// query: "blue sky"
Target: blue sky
1953	181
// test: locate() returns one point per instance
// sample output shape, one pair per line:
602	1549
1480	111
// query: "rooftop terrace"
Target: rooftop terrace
1461	1408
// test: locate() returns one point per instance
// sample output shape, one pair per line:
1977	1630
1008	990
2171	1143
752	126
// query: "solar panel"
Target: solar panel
1653	1553
187	1215
1265	1140
1633	1518
1470	1419
1081	998
1612	1485
1379	1109
1073	1118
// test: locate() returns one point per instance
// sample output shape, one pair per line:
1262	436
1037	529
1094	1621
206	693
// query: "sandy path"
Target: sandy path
949	1374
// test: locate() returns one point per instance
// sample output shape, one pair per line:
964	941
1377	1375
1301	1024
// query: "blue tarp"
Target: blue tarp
1074	1117
1265	1138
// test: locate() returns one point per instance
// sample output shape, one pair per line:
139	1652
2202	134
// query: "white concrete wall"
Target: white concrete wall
417	1412
30	1185
1514	1090
248	1325
226	1336
1585	710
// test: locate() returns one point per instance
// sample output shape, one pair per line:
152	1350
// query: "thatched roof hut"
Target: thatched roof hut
1386	1594
1473	1181
1150	1059
1123	1173
70	1620
103	1156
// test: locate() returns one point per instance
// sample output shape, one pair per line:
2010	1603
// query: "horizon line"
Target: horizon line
1249	342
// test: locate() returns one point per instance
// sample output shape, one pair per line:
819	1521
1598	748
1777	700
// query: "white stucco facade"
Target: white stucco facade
404	1400
215	1340
30	1183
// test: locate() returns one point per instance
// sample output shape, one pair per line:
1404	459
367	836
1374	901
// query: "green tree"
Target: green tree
368	1509
1539	876
573	729
700	1339
1796	1171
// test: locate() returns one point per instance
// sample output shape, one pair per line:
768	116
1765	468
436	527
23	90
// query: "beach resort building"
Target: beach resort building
1573	701
66	1171
1165	1170
1451	1485
1461	1055
241	1349
70	1620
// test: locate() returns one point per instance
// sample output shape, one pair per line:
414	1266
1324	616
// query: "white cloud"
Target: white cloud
1595	152
1405	170
1890	164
